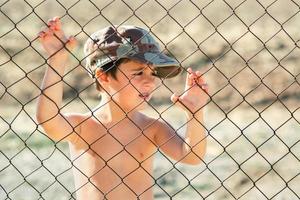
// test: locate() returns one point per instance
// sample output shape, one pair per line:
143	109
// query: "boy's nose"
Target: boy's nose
149	81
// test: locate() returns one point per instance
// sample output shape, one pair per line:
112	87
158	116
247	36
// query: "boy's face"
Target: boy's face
134	84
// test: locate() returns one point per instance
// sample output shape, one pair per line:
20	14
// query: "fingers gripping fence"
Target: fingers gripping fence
248	52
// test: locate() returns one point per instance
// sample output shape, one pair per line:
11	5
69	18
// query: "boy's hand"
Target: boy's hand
54	40
195	94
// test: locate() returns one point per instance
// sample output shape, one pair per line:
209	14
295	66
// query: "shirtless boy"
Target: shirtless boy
112	147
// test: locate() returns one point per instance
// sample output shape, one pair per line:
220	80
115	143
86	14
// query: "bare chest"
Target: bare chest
122	151
127	147
113	160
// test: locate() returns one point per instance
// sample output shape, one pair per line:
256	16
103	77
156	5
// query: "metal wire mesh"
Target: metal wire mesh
248	51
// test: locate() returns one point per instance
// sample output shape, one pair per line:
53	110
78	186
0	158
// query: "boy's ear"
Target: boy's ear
101	75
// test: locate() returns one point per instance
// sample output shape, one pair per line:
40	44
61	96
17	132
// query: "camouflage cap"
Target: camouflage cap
113	43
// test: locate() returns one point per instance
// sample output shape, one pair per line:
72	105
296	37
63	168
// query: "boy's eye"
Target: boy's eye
155	73
138	73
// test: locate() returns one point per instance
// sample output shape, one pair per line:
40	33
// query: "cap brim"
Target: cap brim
166	66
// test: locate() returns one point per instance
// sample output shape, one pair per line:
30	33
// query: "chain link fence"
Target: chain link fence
248	51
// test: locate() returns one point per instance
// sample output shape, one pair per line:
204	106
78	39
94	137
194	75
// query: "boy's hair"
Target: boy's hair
111	69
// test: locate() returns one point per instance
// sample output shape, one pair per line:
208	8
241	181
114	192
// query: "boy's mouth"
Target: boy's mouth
144	96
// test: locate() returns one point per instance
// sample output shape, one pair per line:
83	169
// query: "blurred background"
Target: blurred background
248	52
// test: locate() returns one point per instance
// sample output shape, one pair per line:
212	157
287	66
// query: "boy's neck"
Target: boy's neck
109	112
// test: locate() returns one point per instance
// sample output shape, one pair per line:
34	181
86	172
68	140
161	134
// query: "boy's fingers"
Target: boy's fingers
55	25
53	20
189	77
71	42
51	23
201	82
41	34
200	79
49	32
56	18
175	97
195	78
45	33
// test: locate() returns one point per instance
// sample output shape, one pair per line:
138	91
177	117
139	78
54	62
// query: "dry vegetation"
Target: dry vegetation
247	53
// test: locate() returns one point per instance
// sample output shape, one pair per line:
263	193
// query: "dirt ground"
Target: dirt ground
246	159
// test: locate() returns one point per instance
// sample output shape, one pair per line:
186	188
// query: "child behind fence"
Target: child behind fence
112	147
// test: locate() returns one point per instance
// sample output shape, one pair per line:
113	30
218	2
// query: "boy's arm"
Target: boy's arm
57	125
190	149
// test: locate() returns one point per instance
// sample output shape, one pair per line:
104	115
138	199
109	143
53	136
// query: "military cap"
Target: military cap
113	43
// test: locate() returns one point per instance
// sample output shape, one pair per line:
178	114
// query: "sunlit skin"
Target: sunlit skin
135	82
112	147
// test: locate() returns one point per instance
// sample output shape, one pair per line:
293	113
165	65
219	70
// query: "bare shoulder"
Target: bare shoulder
156	127
156	124
91	129
76	119
147	123
166	138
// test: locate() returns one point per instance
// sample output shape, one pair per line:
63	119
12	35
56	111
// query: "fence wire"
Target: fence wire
248	51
